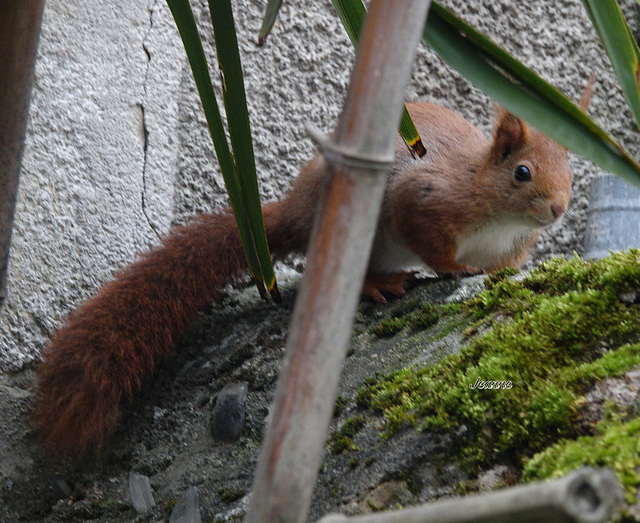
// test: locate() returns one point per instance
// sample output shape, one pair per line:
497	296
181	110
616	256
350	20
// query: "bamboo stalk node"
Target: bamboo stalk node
347	156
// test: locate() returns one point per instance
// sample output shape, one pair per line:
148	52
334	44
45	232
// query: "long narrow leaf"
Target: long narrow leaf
352	14
621	47
270	15
183	16
240	131
522	91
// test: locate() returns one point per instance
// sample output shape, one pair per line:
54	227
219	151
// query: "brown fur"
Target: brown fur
468	183
106	349
109	346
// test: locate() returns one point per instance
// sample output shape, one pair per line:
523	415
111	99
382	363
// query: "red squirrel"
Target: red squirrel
469	204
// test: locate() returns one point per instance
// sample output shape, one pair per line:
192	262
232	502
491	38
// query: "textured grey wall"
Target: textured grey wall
114	116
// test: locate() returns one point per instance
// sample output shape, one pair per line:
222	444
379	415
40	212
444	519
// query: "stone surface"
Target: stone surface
102	127
496	477
623	391
114	116
165	434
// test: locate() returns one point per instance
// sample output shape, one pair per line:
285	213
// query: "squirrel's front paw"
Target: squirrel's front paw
375	284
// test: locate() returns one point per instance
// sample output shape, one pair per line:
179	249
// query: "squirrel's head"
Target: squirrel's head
529	172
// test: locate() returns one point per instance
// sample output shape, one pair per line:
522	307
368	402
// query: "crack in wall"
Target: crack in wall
145	129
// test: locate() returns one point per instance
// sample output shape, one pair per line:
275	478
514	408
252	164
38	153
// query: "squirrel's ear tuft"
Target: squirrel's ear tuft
509	133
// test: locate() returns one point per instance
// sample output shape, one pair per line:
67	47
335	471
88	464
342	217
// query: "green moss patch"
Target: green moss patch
616	446
550	336
340	405
341	441
229	495
413	315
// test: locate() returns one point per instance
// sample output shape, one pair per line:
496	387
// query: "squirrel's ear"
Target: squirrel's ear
509	133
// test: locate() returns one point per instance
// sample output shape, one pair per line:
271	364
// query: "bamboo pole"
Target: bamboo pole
360	154
19	32
585	496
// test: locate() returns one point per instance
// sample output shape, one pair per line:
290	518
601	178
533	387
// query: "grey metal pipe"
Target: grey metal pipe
613	217
587	495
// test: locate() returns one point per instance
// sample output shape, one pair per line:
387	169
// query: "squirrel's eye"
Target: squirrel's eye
522	173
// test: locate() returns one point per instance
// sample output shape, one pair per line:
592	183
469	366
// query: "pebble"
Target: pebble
628	298
186	510
385	496
61	489
140	492
228	412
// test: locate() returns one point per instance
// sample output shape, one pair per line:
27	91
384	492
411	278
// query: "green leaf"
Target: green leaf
618	41
521	91
270	15
240	132
410	134
183	16
352	14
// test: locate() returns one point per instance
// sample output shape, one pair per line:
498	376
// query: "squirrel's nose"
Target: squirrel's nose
557	210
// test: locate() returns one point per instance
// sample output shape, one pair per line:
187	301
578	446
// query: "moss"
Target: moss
369	461
229	495
616	446
615	274
551	335
425	317
340	405
411	315
233	517
499	276
365	394
353	425
390	326
453	324
168	505
84	511
342	440
611	276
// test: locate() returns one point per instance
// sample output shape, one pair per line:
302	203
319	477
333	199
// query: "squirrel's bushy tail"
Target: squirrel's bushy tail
105	349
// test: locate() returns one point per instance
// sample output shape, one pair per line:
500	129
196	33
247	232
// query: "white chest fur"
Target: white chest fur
390	255
486	246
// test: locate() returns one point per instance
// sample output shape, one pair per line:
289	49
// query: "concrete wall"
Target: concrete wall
115	118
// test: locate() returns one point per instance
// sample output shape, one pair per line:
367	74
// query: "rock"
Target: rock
628	298
61	489
466	289
498	476
622	391
187	510
386	496
228	412
140	492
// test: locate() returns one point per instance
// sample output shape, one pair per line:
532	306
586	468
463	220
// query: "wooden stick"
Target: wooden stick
361	154
19	33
